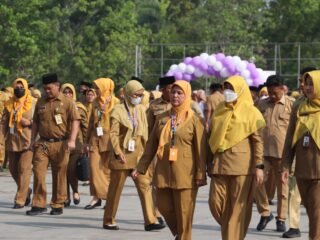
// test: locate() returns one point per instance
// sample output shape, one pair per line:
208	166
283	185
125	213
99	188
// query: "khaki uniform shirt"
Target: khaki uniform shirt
117	135
213	101
241	159
277	121
307	158
156	107
100	143
191	142
16	142
82	133
45	117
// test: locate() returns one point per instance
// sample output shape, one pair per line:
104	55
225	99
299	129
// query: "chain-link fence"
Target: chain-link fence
287	59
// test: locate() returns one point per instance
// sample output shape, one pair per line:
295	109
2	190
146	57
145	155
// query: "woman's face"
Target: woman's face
309	89
90	96
68	92
95	87
177	96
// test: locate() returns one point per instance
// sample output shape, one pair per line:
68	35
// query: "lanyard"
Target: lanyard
132	119
173	129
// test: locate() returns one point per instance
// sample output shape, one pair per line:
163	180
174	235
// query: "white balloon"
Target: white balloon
241	66
182	67
236	59
245	73
211	60
204	56
260	71
217	66
173	67
198	73
190	69
224	73
249	81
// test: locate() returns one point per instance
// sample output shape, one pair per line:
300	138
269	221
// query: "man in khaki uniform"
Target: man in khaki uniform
276	111
213	100
56	120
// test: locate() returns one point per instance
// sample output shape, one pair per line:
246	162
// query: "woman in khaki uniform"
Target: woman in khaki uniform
98	139
238	149
16	129
304	135
69	91
90	97
129	133
179	140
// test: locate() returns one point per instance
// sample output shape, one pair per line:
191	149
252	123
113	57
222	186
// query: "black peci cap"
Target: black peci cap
164	81
254	89
50	78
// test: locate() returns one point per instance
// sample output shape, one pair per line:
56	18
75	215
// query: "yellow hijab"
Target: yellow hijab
36	93
156	94
263	90
71	87
106	87
145	99
233	122
183	113
21	105
308	115
120	113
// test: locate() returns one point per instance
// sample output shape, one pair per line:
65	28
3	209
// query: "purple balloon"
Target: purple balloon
228	63
187	60
196	61
211	71
187	77
178	76
251	66
254	73
220	56
203	66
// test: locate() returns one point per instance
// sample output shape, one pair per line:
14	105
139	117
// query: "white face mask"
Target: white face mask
264	97
135	101
230	96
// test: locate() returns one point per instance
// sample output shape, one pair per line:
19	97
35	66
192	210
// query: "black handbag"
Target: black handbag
83	168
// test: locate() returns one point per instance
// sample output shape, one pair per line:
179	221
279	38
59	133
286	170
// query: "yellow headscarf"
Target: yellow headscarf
36	93
233	122
120	113
263	90
23	104
106	87
156	94
145	99
71	87
308	115
183	113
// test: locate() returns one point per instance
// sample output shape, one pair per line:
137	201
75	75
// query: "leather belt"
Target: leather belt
53	139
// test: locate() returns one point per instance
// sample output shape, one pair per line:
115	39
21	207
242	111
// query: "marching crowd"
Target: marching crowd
246	142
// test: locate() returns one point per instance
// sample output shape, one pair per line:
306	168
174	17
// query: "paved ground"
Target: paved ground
77	223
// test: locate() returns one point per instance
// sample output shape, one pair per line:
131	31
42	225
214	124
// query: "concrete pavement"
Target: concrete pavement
77	223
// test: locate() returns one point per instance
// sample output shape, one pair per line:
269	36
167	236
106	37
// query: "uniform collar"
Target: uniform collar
281	101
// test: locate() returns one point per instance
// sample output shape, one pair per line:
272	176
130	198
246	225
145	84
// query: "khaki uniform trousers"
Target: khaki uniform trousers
72	177
230	202
2	156
310	192
177	207
150	173
294	203
99	173
142	183
282	190
270	185
20	169
57	155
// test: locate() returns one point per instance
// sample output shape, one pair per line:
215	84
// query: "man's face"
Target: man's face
51	90
275	93
166	92
83	88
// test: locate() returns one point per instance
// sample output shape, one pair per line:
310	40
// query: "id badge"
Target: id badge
12	130
99	131
173	154
58	119
306	141
131	145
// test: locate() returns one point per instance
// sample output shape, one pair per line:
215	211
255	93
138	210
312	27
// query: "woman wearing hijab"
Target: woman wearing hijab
16	130
90	96
98	140
179	140
69	91
303	142
237	163
128	135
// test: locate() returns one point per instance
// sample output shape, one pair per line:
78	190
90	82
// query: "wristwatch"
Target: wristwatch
260	166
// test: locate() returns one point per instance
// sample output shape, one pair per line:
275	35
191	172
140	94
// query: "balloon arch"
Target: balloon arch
219	66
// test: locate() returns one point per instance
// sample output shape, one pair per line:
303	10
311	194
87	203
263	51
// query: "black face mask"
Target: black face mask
19	92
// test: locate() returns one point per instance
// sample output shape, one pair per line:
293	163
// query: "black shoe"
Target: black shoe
160	220
76	201
111	227
281	226
67	203
56	211
271	202
17	206
28	199
97	204
292	233
36	211
264	221
154	226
